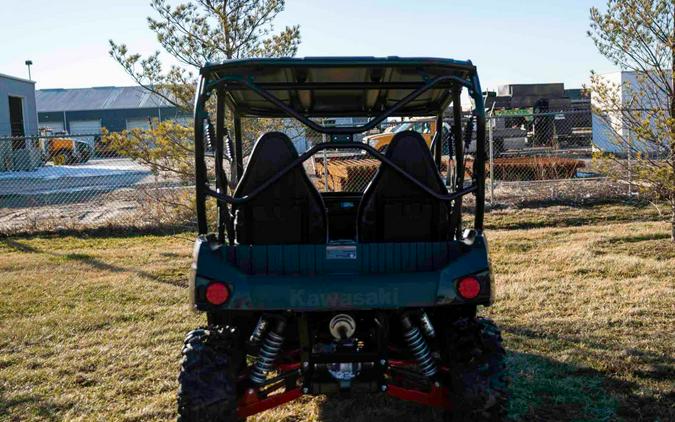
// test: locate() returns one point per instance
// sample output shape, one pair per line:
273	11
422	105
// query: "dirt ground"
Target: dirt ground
136	207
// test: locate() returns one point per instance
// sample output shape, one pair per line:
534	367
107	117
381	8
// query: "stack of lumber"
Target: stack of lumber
536	168
351	174
354	174
347	175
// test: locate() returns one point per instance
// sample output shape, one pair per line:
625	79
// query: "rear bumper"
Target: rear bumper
314	278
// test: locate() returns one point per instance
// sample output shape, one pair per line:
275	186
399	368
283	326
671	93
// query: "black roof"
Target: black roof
339	86
97	98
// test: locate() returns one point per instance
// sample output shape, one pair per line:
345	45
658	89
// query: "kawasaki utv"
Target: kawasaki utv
310	292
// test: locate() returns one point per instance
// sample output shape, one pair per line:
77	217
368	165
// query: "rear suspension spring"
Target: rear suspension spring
418	347
269	351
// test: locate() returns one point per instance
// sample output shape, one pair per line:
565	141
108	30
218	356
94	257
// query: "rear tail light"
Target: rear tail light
468	287
217	293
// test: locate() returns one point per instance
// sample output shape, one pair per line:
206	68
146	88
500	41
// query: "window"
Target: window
422	127
401	127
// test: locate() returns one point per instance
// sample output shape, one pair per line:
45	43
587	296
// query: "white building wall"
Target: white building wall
605	130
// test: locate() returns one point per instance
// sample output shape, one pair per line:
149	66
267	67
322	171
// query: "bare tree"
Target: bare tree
639	115
193	33
201	31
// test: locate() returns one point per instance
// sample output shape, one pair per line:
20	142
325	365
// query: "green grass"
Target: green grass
91	325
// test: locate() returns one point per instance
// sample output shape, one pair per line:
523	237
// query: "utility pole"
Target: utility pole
29	63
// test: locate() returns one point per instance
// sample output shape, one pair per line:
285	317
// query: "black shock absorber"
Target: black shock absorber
269	351
256	336
418	347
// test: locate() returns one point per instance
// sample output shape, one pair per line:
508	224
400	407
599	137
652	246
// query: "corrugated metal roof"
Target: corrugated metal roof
97	98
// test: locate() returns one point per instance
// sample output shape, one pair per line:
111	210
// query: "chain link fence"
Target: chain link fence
352	170
74	181
532	159
540	158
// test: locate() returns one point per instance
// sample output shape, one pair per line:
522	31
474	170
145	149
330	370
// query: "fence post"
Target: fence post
492	164
325	165
630	168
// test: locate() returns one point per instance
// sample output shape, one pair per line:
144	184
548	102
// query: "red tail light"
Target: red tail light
217	293
468	287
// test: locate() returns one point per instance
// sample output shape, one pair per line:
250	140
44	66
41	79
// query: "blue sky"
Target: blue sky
511	42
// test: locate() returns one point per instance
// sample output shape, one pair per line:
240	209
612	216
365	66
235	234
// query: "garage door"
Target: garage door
85	126
53	126
141	123
88	127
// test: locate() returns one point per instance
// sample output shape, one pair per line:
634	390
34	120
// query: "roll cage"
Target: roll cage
309	88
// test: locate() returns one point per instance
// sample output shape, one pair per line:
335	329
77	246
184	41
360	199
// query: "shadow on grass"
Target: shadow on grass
638	238
582	202
654	245
574	341
538	204
558	382
170	276
542	389
108	231
39	407
588	215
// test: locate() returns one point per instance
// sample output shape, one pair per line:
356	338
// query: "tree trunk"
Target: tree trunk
672	130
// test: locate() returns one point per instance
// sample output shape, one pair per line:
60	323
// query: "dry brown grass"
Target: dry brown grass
91	326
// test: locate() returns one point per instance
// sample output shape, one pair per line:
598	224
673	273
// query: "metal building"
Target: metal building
87	110
611	133
18	117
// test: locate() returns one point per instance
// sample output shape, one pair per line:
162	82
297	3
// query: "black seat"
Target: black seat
289	211
394	209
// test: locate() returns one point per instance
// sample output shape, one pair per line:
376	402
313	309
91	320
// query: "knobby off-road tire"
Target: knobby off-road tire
477	364
84	153
207	388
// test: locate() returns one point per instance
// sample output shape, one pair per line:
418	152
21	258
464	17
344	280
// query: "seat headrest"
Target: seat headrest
271	152
409	150
288	211
393	209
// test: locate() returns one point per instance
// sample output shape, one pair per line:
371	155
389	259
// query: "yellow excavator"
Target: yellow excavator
426	126
61	149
